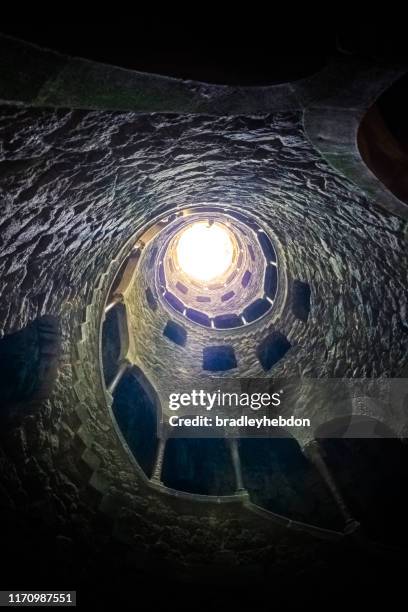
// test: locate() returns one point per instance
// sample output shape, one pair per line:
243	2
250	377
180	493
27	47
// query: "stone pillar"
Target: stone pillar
117	299
158	464
314	453
122	369
236	462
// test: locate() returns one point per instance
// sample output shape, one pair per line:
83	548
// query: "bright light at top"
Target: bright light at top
205	252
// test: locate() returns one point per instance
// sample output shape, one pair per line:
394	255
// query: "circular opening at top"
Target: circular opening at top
205	251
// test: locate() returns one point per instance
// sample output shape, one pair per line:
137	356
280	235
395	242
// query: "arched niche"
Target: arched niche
371	473
383	138
135	407
29	361
279	478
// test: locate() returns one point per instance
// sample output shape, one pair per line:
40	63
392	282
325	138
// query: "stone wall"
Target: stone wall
76	185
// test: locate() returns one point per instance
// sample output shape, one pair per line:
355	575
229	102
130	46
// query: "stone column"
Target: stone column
236	462
314	453
122	369
158	464
117	299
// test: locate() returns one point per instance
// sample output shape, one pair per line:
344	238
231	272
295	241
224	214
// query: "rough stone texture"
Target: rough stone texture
75	186
330	236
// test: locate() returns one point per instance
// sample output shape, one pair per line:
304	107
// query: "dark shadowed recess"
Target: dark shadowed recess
393	104
301	300
135	411
272	349
200	465
256	310
227	321
383	138
219	358
224	57
279	478
29	361
175	332
111	347
151	300
198	317
371	473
